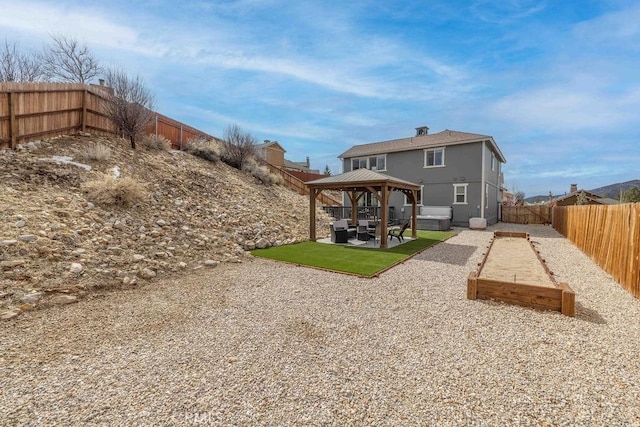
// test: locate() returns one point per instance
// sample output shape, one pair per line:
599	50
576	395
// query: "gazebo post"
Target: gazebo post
354	201
312	214
383	217
414	213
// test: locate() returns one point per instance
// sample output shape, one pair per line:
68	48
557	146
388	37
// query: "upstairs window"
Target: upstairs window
375	163
493	162
434	158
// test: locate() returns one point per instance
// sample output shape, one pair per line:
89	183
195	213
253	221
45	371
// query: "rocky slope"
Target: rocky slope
57	245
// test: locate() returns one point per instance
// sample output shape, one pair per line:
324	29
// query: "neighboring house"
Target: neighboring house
300	167
272	152
457	169
571	198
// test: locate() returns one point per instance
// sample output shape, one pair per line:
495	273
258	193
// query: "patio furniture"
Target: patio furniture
398	232
341	232
364	229
374	233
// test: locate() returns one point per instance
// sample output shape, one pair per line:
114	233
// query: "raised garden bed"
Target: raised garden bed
513	271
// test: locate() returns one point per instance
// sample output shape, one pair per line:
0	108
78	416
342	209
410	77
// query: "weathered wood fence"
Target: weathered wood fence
609	234
534	214
39	110
297	185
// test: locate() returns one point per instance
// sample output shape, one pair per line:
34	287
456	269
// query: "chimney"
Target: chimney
422	130
574	188
308	164
101	81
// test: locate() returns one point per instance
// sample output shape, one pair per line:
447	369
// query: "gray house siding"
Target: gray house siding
466	165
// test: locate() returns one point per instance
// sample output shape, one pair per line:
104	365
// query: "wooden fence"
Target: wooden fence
299	186
38	110
609	234
534	214
30	111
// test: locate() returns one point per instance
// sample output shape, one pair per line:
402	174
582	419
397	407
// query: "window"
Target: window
493	162
375	163
407	202
486	196
434	158
358	164
460	194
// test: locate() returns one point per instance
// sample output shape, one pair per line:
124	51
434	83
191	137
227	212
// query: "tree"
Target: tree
239	146
632	195
64	59
17	66
519	198
581	198
327	171
129	104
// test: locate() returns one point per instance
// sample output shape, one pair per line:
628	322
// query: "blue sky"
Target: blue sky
556	83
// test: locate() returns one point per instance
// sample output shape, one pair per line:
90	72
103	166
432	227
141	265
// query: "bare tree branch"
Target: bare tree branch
66	60
18	66
130	104
239	146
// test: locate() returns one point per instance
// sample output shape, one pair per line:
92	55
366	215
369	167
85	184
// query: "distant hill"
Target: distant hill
611	191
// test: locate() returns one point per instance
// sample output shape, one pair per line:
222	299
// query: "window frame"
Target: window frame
427	150
493	162
367	162
465	194
420	198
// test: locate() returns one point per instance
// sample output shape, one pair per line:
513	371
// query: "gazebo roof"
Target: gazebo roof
361	178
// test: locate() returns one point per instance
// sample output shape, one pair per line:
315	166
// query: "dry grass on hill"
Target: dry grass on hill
134	216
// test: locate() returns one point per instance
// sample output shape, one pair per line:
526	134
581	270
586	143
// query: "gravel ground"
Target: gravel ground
273	344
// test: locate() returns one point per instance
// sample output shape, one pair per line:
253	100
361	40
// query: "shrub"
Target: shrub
97	151
261	173
206	149
107	190
239	147
156	142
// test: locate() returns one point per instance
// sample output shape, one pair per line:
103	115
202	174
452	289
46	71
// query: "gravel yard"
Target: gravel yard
274	344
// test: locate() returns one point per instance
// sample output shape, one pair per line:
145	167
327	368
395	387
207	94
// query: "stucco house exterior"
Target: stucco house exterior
458	169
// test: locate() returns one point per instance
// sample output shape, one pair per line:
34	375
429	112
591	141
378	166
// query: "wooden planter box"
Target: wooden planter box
548	296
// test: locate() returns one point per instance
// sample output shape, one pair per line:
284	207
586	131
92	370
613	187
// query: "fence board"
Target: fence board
609	234
535	214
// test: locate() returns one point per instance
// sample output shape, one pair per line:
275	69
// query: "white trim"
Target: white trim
455	193
368	162
482	181
424	162
421	197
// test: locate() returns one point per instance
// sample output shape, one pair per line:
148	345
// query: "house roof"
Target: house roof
440	139
590	196
360	177
273	144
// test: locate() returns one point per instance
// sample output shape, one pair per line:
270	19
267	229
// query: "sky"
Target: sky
555	83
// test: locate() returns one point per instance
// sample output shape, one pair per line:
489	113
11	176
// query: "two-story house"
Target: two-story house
457	169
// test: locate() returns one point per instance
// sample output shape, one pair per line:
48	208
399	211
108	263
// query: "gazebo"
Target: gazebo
356	184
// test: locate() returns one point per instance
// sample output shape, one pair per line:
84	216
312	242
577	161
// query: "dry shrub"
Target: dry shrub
107	190
262	173
206	149
156	142
97	151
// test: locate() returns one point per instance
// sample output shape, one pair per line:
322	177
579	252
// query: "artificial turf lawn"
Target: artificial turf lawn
351	259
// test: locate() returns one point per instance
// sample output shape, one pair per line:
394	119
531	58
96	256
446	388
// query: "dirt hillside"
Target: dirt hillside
57	245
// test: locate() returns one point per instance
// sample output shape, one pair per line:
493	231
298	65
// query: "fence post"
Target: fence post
84	111
13	128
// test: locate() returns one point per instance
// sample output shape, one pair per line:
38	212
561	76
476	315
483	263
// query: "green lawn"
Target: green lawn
351	259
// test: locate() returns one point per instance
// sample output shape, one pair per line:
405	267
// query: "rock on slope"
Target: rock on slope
56	245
